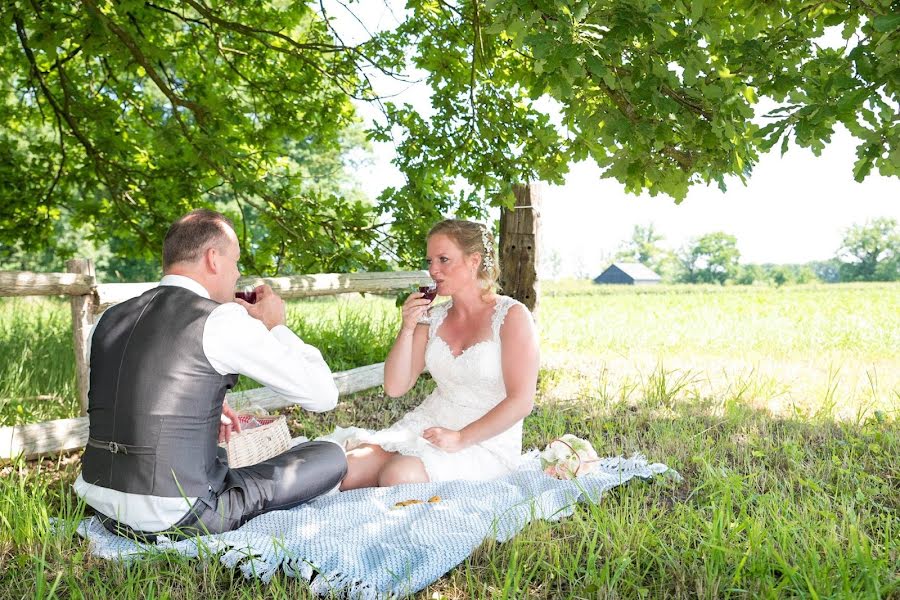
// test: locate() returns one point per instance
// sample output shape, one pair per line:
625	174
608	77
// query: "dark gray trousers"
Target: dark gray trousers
284	481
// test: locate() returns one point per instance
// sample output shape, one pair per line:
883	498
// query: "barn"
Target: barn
628	274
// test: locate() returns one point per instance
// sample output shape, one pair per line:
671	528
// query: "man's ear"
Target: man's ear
211	258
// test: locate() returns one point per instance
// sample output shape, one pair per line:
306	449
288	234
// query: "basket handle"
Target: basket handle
581	461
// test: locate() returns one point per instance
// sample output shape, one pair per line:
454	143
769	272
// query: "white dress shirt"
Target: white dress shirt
234	342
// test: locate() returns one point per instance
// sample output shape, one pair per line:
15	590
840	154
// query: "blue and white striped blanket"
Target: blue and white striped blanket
361	544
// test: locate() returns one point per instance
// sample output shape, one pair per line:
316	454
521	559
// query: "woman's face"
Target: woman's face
450	268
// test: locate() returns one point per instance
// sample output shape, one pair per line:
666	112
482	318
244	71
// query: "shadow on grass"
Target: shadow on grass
767	507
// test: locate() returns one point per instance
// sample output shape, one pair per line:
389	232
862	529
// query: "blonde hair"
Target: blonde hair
473	238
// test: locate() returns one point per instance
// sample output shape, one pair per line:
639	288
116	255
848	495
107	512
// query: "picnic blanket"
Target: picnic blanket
360	544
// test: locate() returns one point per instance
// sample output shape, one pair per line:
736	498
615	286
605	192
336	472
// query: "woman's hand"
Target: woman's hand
448	440
413	310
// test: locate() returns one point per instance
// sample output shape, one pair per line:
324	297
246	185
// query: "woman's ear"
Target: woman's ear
475	262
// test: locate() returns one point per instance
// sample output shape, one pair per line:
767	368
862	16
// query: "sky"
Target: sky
794	209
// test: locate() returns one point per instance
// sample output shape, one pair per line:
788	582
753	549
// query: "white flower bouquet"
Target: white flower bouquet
568	457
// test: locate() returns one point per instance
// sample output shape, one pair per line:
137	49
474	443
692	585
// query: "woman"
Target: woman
481	349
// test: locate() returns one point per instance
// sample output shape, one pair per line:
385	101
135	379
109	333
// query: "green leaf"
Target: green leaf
833	20
610	80
750	94
596	66
697	8
885	23
689	76
861	168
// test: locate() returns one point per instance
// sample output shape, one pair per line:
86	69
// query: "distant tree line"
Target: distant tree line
868	252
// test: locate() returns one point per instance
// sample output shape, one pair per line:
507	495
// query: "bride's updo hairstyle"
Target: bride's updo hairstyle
473	238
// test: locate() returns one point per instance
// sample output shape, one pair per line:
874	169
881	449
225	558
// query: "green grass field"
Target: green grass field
778	406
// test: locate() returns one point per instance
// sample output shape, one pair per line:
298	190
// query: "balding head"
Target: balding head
191	235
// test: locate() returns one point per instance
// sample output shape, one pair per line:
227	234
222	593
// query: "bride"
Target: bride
480	347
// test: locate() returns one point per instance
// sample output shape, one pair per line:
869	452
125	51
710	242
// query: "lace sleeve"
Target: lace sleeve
435	317
504	303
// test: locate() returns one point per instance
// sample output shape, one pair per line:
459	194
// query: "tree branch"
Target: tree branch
476	46
65	114
178	15
685	102
247	30
138	55
62	160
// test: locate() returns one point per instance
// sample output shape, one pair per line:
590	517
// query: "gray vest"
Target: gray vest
154	400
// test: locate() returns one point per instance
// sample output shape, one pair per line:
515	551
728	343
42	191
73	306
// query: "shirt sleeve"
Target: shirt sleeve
235	342
89	344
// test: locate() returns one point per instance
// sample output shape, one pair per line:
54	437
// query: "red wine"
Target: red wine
248	297
429	291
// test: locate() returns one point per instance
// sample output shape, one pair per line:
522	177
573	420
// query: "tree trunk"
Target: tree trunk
519	243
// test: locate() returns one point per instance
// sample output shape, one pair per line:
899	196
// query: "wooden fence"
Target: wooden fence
89	298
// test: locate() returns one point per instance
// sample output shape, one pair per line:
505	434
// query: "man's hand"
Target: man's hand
229	422
269	307
448	440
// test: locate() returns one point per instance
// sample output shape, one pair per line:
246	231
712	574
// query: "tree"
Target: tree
803	274
122	114
780	275
750	274
827	271
659	94
551	264
712	258
642	247
871	252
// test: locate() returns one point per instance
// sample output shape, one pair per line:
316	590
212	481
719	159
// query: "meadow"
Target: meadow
778	406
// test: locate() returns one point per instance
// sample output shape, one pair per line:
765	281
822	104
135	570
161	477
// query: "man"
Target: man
160	366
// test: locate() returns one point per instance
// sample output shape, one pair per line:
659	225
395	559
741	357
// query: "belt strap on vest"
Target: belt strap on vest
120	448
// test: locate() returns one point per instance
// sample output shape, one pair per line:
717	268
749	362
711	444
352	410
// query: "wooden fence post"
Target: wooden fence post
519	243
82	320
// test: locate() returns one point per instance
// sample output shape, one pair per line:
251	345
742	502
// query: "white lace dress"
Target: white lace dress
468	386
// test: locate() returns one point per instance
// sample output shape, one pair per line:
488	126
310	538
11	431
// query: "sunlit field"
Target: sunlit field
778	406
819	348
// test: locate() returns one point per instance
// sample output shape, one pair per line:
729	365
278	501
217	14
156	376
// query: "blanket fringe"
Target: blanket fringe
337	582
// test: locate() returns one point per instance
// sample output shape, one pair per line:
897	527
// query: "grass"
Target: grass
37	367
760	398
37	371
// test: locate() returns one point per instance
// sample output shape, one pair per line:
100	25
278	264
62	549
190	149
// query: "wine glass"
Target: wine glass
248	294
428	292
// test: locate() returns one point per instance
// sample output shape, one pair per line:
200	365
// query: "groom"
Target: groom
160	365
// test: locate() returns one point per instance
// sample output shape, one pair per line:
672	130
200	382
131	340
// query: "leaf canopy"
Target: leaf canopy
120	115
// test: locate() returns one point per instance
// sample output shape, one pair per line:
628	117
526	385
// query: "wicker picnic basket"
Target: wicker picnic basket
261	438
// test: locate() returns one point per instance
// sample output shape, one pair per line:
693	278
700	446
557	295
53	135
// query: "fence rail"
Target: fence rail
24	283
90	298
295	286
